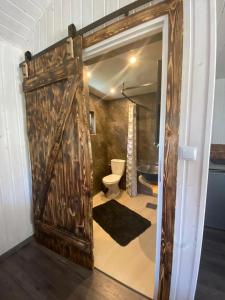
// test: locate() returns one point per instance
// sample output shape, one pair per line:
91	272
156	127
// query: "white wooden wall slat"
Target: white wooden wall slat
18	19
66	15
57	19
98	9
15	193
43	31
16	12
87	12
61	13
111	6
29	7
13	24
50	24
8	34
76	13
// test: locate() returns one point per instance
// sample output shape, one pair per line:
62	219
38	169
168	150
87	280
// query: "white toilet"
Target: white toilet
112	181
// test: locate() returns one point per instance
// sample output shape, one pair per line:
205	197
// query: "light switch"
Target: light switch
188	153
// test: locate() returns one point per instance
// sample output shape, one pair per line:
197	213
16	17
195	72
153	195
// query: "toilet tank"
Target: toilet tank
118	166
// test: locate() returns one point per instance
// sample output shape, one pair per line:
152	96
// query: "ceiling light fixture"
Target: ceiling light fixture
112	91
133	60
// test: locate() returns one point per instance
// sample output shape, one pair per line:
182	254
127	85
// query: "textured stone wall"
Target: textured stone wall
99	144
110	140
117	131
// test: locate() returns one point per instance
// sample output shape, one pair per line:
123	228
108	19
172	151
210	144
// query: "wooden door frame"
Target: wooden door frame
112	46
173	10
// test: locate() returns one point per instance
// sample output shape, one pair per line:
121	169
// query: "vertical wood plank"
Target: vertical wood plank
60	154
43	32
87	12
50	24
98	9
124	2
173	99
37	37
58	19
76	11
111	5
66	16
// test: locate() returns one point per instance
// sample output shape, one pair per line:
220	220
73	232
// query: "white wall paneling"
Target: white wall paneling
198	80
47	22
196	119
15	194
60	13
18	19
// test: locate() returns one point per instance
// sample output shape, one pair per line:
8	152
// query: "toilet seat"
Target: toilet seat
111	179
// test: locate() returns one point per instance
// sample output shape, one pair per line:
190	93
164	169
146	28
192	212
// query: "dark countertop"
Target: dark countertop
216	167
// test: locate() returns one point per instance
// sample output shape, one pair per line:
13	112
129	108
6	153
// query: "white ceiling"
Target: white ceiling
18	19
220	72
112	72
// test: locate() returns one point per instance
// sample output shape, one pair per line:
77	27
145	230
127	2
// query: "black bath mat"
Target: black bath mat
120	222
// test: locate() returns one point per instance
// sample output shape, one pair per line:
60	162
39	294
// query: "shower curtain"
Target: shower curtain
131	172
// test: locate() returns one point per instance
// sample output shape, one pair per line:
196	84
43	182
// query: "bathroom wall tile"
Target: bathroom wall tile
110	140
99	144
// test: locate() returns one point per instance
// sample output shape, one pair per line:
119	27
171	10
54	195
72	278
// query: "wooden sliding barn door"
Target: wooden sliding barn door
60	153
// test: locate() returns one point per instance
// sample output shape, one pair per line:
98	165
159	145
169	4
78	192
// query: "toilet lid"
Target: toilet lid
112	178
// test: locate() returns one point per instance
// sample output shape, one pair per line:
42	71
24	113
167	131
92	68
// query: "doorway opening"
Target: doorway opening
68	147
126	113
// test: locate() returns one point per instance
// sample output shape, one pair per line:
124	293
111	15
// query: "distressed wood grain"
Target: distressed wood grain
217	152
174	10
60	153
53	75
133	20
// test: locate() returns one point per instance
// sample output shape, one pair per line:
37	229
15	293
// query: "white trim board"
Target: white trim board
197	99
138	32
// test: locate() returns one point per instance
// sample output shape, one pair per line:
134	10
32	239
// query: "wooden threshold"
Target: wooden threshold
120	282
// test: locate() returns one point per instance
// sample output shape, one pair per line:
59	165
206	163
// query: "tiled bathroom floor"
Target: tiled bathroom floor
134	264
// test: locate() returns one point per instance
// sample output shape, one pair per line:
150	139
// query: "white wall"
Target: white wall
15	196
218	133
196	113
199	69
196	110
54	23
